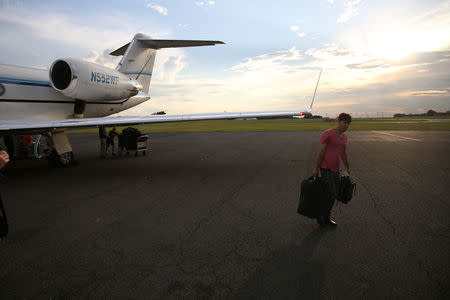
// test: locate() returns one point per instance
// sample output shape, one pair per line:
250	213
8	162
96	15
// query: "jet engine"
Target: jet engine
88	81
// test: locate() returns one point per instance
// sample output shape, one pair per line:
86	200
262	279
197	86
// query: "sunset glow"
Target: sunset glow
372	53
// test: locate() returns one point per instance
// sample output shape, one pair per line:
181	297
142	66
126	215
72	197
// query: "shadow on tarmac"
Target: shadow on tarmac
290	272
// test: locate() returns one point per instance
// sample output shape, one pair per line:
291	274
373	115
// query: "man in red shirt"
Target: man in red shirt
333	144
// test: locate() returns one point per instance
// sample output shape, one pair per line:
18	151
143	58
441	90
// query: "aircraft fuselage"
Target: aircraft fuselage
27	94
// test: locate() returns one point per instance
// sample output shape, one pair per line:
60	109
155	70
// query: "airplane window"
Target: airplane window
2	89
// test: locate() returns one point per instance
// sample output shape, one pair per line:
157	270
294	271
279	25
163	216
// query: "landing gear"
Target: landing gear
61	154
61	160
78	109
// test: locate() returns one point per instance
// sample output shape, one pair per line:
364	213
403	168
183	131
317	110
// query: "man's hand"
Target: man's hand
315	172
345	172
4	158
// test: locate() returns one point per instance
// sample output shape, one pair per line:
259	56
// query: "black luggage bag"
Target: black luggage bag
347	188
128	138
312	201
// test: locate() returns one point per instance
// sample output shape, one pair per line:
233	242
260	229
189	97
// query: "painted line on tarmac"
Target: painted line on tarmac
398	136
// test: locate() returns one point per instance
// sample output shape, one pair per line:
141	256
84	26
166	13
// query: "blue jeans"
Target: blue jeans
332	180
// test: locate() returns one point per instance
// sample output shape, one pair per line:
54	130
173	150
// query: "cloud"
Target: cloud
425	93
350	11
336	104
205	3
272	60
369	64
160	9
395	39
171	67
68	31
349	67
329	52
30	37
286	79
355	78
417	58
103	59
295	29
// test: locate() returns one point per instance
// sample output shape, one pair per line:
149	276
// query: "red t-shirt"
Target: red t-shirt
335	148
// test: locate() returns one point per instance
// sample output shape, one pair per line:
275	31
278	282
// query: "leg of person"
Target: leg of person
108	144
3	221
325	175
102	148
332	181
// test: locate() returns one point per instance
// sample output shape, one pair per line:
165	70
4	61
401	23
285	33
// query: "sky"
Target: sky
378	57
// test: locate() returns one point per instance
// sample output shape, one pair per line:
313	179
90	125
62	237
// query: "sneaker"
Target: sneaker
330	222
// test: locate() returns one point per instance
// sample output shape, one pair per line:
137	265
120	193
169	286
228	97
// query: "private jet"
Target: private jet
74	93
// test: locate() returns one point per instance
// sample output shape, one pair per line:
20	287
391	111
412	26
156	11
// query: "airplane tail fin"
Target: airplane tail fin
139	55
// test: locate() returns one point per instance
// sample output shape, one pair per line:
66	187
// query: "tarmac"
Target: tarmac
213	215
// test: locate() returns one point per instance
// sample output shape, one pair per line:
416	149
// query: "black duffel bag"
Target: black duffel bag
312	201
347	188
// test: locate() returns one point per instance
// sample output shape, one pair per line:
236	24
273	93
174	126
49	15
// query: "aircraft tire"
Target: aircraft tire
64	160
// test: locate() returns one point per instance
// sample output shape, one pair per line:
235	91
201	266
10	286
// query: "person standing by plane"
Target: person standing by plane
110	139
103	136
333	144
4	159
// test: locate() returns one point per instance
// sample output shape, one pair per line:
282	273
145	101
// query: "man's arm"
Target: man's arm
4	159
320	155
345	162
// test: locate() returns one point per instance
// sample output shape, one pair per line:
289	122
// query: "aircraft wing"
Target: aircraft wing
21	126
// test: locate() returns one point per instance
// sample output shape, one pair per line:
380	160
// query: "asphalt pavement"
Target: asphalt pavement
213	215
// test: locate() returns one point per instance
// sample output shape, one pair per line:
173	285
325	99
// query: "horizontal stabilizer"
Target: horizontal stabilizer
120	51
158	44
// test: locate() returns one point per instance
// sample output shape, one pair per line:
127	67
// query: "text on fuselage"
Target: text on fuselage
104	78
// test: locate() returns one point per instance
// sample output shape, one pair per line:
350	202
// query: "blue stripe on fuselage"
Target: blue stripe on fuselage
137	72
22	81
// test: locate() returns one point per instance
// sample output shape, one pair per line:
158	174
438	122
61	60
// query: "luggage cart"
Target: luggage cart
132	139
142	144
